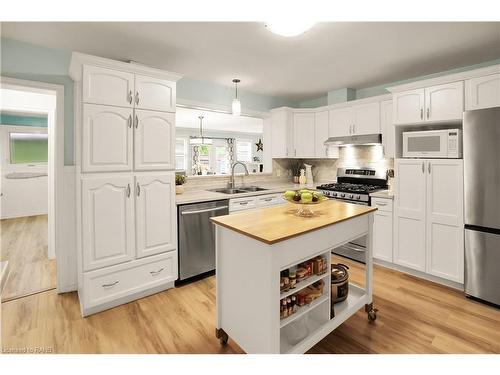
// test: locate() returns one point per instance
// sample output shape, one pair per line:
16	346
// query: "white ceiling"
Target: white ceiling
188	118
329	56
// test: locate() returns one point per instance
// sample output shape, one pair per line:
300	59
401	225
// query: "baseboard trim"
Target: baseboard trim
123	300
419	274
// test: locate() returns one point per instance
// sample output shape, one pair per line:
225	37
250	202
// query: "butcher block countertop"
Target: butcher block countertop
278	223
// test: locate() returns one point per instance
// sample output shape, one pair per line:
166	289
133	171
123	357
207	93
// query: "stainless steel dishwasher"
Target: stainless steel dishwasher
197	237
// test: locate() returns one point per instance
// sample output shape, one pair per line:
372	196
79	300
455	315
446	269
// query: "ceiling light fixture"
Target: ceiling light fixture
236	107
200	140
289	28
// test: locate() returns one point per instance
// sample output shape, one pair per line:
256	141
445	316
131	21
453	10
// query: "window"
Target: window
221	160
180	154
28	148
244	150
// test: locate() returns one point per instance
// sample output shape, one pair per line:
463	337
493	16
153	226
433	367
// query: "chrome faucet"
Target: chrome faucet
231	182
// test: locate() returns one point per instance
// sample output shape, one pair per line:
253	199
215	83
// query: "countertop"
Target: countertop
278	223
196	196
383	194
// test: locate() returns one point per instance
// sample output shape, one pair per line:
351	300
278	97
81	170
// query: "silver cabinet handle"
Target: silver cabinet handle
421	113
268	199
423	167
201	211
129	97
295	151
129	121
353	128
128	190
428	111
381	204
136	121
138	189
137	98
243	203
110	285
154	273
429	167
287	151
326	151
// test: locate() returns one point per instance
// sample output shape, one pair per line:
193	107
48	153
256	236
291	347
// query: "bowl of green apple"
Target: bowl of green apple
304	198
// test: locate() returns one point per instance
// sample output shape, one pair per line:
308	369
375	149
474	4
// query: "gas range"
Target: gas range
355	184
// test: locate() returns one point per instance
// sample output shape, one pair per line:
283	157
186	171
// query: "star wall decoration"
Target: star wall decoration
260	145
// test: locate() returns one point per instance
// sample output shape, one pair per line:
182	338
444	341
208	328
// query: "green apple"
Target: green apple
306	197
289	194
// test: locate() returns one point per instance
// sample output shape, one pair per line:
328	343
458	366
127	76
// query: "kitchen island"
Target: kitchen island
254	247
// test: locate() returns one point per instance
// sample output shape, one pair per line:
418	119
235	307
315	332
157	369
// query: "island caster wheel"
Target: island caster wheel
221	335
372	313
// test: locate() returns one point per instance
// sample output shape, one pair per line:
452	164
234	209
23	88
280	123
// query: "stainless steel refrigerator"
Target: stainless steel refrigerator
481	152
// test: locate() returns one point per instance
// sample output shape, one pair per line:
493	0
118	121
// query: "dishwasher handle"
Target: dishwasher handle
192	212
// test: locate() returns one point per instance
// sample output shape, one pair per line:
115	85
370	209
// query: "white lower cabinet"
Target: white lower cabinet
429	221
382	229
155	214
119	284
107	221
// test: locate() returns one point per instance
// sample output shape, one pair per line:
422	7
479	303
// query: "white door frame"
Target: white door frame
55	165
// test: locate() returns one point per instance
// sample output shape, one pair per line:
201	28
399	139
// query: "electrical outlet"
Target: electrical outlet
278	173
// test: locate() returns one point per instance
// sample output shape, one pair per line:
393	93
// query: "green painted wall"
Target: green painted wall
9	119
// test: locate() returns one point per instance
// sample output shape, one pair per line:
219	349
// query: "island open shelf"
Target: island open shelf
253	247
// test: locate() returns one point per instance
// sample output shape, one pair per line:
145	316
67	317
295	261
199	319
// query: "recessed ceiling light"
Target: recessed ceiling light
289	28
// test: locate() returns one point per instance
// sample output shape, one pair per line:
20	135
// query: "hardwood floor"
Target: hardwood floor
24	245
415	316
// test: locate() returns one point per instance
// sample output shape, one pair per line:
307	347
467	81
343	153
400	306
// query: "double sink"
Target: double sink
248	189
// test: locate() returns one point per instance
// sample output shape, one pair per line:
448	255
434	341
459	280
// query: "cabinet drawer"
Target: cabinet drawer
108	284
382	204
239	204
269	200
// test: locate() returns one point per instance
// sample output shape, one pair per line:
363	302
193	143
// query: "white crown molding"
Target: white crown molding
446	79
79	59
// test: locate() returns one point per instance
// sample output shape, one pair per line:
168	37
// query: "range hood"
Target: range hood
365	139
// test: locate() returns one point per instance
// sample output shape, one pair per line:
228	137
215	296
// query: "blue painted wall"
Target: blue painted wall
32	62
18	120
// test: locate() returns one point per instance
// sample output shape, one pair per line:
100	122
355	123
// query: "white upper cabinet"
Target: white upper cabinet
107	221
439	103
153	140
482	92
445	235
107	86
340	122
303	135
107	138
444	102
366	119
321	133
387	127
408	106
281	134
410	208
154	94
155	214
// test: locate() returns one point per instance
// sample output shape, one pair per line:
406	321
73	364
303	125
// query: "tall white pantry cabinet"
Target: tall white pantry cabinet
125	170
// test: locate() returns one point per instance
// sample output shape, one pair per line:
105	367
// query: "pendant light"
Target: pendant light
236	107
200	140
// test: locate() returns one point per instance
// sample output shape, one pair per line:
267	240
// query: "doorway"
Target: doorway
31	153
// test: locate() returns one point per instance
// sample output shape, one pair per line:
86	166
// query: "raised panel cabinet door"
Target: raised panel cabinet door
382	236
107	221
154	94
408	107
107	138
155	220
388	130
303	135
444	102
321	134
340	122
410	208
154	140
445	219
482	92
366	119
279	133
107	86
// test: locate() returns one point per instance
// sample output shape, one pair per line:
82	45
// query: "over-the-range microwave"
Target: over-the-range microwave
446	143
